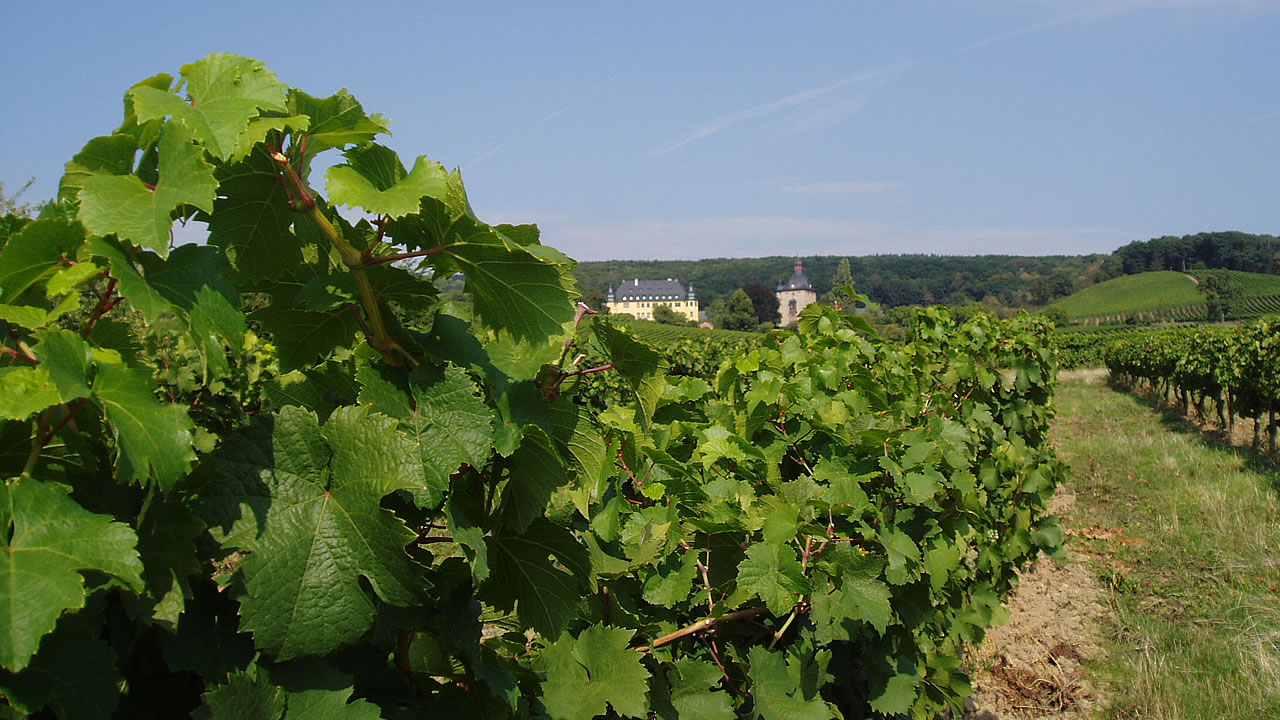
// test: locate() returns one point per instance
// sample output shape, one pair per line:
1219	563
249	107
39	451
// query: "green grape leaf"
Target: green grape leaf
640	366
772	573
153	438
690	681
522	575
329	705
251	218
34	254
74	671
248	696
51	540
445	417
777	694
66	358
166	542
225	92
536	470
324	529
243	697
124	206
25	391
904	555
596	670
898	694
512	289
336	121
303	338
375	180
69	278
108	154
672	584
144	298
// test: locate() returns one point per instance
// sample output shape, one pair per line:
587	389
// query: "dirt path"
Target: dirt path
1032	667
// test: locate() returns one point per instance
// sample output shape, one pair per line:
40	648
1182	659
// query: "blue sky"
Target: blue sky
686	130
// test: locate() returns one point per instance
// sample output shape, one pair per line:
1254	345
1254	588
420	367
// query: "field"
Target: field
1164	296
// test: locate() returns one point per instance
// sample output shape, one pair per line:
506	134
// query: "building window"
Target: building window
792	307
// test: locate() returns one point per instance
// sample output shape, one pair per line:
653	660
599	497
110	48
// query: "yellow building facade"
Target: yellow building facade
640	298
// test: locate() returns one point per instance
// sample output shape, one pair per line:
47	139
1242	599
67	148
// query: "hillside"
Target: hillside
1170	295
1132	293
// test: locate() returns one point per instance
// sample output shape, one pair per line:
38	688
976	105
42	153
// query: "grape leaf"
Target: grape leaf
536	470
225	91
51	539
251	218
897	695
324	529
153	439
375	180
512	289
772	573
108	154
639	365
522	575
243	697
251	697
74	671
66	358
144	298
336	121
777	694
25	391
124	206
35	254
690	680
446	419
302	337
596	670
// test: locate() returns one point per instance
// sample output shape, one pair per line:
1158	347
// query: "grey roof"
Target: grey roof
651	290
798	281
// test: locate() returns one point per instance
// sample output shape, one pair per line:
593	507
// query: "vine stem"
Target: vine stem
305	203
702	625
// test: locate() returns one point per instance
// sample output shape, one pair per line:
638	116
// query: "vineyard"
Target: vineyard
241	483
1166	297
1231	371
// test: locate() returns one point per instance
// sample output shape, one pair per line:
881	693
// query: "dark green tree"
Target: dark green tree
1222	294
843	277
765	303
739	313
665	315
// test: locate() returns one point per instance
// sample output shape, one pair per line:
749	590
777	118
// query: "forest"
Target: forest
897	280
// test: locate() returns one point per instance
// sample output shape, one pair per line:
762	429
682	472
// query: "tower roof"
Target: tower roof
797	281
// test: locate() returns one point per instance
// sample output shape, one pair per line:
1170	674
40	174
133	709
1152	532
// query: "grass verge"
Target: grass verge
1185	534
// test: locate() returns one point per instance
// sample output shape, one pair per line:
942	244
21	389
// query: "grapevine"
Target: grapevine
276	476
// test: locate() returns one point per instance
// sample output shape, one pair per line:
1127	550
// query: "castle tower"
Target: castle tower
795	294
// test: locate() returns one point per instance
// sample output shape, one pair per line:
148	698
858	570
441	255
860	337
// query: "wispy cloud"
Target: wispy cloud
758	236
769	108
569	103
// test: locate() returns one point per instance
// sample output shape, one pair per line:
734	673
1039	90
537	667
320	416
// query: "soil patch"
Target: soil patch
1032	667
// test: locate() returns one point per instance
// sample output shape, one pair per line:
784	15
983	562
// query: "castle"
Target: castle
641	297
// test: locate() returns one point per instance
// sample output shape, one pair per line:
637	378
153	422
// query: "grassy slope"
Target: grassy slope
1148	291
1187	536
1131	293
